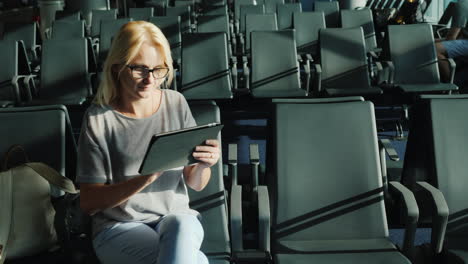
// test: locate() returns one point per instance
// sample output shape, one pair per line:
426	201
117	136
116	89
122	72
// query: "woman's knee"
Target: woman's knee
183	224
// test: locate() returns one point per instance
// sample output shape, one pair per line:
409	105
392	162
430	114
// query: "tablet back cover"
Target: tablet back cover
175	150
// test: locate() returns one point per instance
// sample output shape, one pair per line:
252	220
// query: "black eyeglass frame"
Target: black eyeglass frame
133	67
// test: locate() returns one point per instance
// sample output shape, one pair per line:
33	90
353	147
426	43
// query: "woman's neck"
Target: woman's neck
140	108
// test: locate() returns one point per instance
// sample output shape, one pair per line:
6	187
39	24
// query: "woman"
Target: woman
139	218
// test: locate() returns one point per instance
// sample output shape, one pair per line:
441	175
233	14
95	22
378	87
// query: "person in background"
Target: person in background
139	218
455	44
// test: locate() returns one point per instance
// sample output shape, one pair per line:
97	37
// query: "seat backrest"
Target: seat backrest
258	22
141	13
414	58
343	58
8	69
307	26
213	80
435	153
184	13
238	4
361	18
44	132
67	29
270	5
249	9
28	33
326	186
285	14
65	80
97	16
108	30
215	10
275	70
87	7
66	15
213	23
211	202
170	26
331	10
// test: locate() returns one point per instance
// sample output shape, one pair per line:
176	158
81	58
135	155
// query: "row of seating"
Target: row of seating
323	197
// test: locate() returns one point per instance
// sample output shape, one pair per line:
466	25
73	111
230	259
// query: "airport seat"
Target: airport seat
217	23
211	202
361	18
16	81
285	14
256	22
331	10
64	81
344	63
170	26
248	9
270	5
185	17
142	13
68	29
275	66
307	26
108	29
66	15
415	60
97	16
213	80
325	188
435	170
44	132
29	34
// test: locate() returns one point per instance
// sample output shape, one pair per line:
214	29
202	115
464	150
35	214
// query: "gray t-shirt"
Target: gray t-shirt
111	148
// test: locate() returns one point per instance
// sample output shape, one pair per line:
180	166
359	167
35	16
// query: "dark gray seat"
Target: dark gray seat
29	34
307	26
270	5
44	132
185	17
285	14
68	29
170	26
258	22
213	80
15	74
248	9
325	188
97	16
344	63
142	13
212	201
435	157
108	29
331	10
275	67
64	81
361	18
415	59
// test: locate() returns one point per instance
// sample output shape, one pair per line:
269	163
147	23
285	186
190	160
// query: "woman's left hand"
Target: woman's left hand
209	154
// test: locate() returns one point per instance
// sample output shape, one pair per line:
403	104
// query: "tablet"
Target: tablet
174	149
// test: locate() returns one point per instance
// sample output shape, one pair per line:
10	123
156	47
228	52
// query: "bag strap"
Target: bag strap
6	212
52	176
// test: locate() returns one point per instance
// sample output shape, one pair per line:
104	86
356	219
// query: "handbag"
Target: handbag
27	214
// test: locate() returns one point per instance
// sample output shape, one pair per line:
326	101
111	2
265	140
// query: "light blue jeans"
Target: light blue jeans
176	239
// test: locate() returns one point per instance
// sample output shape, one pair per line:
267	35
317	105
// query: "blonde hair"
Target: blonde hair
124	48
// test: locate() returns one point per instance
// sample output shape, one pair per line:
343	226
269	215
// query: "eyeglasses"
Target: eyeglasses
141	72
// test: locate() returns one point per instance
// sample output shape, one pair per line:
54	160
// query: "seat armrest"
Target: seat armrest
246	71
305	62
254	163
440	212
388	68
236	218
317	79
452	67
411	215
387	145
264	219
232	163
234	74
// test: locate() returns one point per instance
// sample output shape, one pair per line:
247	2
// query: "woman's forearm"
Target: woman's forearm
98	197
